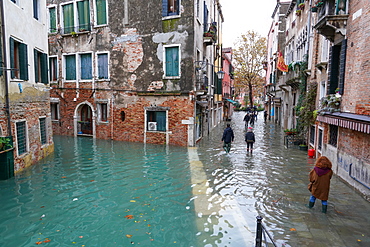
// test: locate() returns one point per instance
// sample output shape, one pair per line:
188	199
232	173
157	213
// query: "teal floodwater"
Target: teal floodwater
107	193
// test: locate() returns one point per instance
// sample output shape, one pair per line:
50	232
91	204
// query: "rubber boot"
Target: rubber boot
310	204
324	208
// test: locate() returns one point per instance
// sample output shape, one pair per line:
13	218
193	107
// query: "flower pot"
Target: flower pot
303	147
314	9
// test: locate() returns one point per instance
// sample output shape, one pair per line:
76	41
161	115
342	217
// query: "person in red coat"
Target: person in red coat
319	185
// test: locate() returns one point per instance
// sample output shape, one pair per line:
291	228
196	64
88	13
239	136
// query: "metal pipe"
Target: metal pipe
7	103
259	232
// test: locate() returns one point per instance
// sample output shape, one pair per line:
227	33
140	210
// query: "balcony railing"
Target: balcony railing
201	83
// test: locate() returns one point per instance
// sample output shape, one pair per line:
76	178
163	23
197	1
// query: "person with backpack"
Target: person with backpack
227	138
250	139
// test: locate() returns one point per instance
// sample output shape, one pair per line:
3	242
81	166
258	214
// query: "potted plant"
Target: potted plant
303	147
298	12
301	6
5	143
290	131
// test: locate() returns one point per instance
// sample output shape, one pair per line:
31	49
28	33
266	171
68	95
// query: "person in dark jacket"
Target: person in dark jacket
319	184
250	139
246	119
227	138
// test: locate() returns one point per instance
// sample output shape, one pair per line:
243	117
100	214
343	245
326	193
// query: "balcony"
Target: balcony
201	83
332	19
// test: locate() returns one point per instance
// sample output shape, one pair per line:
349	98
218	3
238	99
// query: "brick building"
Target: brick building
117	75
25	120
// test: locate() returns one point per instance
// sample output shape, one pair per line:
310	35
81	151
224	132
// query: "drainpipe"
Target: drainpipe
5	66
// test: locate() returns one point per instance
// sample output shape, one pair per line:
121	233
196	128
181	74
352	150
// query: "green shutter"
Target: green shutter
23	62
161	120
101	11
172	61
36	65
68	18
53	20
70	67
86	66
44	68
83	15
12	64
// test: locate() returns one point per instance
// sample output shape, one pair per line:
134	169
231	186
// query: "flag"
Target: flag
281	64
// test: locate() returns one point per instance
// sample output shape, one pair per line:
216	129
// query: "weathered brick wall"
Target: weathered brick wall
356	96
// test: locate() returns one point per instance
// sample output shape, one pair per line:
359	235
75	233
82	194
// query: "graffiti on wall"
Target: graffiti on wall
358	171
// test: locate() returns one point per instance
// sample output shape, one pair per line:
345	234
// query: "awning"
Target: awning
351	121
232	101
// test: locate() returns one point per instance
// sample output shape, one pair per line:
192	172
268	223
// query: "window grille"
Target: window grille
43	131
21	137
319	145
333	135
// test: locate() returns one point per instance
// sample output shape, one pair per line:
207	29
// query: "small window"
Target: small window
53	67
36	11
170	7
41	67
102	66
312	134
52	20
320	140
172	60
123	116
85	67
101	12
333	135
70	67
54	108
43	131
156	120
21	137
18	60
103	112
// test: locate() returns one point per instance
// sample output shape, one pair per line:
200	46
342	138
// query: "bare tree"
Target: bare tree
248	57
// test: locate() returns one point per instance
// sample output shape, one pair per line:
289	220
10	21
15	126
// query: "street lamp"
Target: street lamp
221	74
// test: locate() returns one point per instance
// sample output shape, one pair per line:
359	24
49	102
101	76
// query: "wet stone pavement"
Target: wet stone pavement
272	183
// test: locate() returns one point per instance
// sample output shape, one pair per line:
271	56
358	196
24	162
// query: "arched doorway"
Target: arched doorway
85	124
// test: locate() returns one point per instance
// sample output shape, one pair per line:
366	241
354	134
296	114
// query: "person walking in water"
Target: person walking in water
227	138
250	139
252	120
319	184
246	119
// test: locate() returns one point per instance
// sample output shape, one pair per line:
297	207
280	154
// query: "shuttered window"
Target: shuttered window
158	117
36	9
170	7
70	67
85	66
102	66
68	18
43	131
18	60
83	8
53	68
21	137
101	12
41	67
52	20
172	60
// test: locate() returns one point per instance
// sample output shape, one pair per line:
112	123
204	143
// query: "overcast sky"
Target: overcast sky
243	15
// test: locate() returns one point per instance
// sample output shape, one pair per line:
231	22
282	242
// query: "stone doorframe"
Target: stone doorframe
76	117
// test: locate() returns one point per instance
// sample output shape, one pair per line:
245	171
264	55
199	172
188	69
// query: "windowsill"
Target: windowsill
55	120
85	80
103	122
156	131
100	80
169	17
171	77
16	80
100	26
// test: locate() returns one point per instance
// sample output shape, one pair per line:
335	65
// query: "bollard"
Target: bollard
259	232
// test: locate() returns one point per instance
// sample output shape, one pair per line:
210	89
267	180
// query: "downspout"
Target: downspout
5	66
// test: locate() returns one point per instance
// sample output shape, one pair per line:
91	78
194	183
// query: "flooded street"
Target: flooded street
108	193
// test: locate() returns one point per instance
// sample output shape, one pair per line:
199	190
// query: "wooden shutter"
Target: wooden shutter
342	65
53	20
333	69
103	66
164	7
35	9
36	65
44	68
68	18
161	120
23	62
12	61
86	70
70	67
205	18
83	8
172	61
101	10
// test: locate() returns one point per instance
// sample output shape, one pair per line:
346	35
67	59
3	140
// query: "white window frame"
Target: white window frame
57	69
95	14
56	17
78	62
99	110
64	66
26	137
318	139
97	64
57	113
46	130
164	61
174	16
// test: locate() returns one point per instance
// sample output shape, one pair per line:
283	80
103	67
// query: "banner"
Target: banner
281	64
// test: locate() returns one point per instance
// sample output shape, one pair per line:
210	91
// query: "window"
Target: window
41	67
312	134
337	62
170	7
53	68
102	66
156	120
172	59
83	8
103	112
320	139
36	9
68	18
70	67
333	135
101	12
43	130
85	66
52	20
54	108
21	137
18	60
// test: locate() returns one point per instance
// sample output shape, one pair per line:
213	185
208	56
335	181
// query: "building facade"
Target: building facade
24	92
116	75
